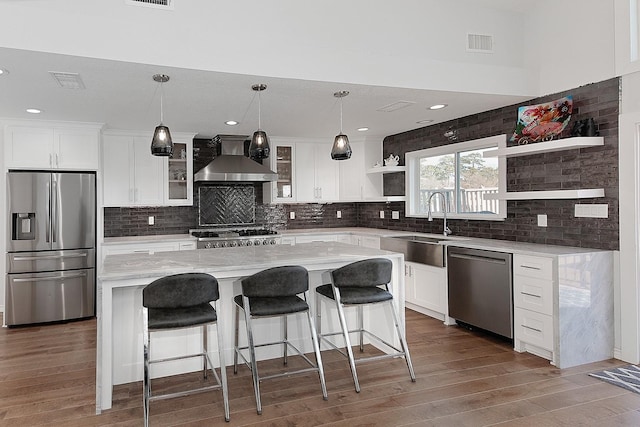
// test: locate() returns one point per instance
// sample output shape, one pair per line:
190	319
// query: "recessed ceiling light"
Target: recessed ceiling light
363	129
424	122
33	111
437	106
231	122
3	71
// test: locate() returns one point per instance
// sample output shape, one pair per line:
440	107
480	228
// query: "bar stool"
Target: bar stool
176	302
269	293
358	284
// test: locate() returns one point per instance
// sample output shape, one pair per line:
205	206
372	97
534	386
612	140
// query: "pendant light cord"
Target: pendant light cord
340	115
161	96
259	111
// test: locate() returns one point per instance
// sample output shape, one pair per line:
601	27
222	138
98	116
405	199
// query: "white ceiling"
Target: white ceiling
123	95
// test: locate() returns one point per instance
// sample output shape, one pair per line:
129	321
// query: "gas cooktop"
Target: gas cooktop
226	234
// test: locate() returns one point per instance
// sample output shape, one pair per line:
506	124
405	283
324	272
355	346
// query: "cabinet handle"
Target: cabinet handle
531	295
50	159
532	329
57	163
530	267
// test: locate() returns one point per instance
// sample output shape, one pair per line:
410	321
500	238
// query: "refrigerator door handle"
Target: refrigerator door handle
45	279
54	210
48	204
36	258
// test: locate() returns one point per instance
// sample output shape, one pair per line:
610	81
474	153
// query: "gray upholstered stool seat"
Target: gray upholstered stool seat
356	295
358	284
269	293
272	306
176	302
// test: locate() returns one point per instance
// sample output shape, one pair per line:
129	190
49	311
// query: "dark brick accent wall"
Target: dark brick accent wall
595	167
314	215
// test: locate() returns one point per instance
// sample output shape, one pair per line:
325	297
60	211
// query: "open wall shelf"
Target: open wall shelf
551	194
547	146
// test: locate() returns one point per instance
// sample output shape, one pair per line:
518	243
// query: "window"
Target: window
458	177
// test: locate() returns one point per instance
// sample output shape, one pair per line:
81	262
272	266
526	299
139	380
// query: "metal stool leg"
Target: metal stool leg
361	327
235	342
223	371
345	332
285	338
316	349
146	388
252	355
403	341
205	351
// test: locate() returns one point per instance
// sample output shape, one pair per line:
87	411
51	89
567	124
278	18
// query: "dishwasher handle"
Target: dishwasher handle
482	258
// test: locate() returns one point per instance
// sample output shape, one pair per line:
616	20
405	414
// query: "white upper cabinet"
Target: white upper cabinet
316	173
44	145
133	177
306	172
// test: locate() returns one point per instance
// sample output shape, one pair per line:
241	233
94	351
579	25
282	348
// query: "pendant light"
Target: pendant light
259	147
161	144
341	149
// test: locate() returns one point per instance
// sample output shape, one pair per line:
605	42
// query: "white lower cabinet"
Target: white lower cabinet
563	306
147	247
533	305
426	289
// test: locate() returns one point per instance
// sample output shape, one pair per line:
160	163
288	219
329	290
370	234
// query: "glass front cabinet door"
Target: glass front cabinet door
282	162
180	173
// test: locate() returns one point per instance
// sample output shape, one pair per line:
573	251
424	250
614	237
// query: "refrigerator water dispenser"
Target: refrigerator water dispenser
24	226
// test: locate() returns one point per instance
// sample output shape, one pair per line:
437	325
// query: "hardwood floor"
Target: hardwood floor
47	377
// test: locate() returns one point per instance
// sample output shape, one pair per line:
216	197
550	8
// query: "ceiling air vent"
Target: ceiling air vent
158	4
67	80
479	43
395	106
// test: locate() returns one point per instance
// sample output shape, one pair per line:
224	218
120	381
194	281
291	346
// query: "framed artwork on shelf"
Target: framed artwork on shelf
542	122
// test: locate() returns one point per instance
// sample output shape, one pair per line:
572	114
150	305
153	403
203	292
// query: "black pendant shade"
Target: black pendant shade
341	149
259	147
161	144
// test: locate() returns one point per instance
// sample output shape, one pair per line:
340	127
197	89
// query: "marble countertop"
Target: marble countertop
459	241
133	266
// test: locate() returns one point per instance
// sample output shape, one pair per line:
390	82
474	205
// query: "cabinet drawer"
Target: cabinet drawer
533	266
533	328
533	294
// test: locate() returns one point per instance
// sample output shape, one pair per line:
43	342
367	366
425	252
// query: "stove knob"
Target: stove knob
207	245
272	241
242	243
215	245
224	244
233	244
265	242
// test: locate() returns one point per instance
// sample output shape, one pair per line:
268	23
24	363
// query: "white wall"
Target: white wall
406	43
571	43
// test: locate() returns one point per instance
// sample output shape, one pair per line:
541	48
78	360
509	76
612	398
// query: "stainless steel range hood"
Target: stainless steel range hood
232	165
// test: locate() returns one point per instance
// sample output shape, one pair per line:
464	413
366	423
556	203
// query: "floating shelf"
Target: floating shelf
547	146
551	194
387	169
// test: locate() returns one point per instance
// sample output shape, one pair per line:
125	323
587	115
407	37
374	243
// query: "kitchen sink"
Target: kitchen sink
420	249
422	239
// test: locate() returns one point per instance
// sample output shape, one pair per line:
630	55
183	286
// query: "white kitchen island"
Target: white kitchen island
119	304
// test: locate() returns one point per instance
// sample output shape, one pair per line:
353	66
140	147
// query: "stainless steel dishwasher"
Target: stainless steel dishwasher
481	289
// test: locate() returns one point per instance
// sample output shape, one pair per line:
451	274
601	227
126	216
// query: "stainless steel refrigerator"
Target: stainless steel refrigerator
50	247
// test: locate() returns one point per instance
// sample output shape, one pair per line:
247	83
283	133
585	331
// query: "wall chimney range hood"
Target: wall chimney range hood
232	165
